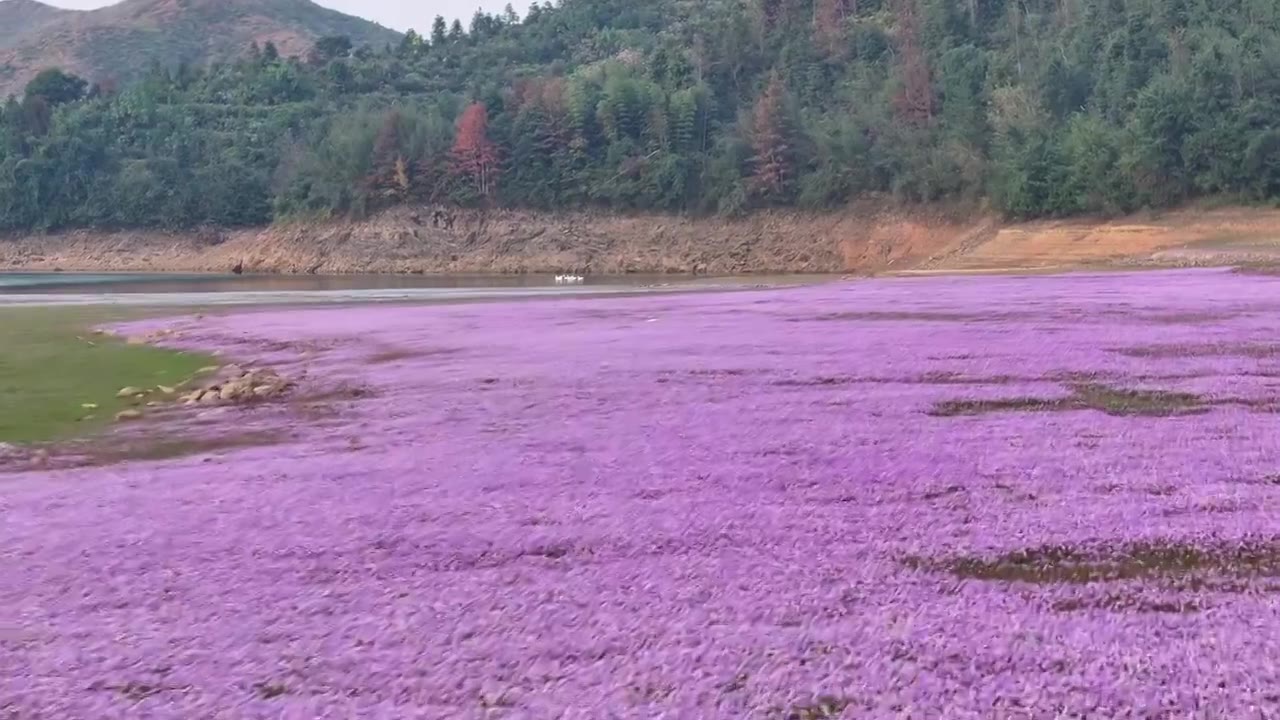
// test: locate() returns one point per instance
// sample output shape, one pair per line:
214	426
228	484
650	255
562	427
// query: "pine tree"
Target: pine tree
389	175
439	31
411	44
683	122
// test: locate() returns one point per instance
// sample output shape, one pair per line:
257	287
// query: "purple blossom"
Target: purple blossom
696	506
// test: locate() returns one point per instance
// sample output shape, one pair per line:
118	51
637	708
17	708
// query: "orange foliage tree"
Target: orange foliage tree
475	156
771	142
828	23
914	101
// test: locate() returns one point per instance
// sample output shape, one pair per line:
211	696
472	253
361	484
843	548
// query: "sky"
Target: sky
397	14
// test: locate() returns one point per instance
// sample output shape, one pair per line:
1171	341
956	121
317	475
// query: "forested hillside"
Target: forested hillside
117	43
1043	107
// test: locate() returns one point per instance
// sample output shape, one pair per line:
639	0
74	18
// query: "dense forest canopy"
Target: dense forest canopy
1043	107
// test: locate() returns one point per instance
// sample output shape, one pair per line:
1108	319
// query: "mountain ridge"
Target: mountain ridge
118	42
20	17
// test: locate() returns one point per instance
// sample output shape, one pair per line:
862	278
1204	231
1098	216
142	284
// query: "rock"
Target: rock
153	403
89	406
166	389
262	375
235	389
130	391
125	415
136	340
40	458
233	371
210	397
207	370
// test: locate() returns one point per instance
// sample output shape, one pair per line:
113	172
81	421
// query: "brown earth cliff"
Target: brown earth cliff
864	240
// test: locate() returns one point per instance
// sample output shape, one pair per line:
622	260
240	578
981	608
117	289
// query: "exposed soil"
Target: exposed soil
871	237
404	240
1170	560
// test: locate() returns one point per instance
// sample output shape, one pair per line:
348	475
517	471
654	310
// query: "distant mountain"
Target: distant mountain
120	41
21	18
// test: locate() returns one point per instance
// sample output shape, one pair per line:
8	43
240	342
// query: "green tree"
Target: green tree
56	87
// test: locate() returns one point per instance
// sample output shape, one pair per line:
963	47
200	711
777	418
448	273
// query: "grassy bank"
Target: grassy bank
58	379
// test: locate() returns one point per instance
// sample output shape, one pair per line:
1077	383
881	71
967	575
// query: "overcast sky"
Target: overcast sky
397	14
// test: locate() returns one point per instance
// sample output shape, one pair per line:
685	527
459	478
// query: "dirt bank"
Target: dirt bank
865	239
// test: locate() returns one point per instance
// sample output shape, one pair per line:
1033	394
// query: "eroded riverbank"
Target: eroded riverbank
870	238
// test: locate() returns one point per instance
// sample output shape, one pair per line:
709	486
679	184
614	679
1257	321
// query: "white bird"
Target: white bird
569	279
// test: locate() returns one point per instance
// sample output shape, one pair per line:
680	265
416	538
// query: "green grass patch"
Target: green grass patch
1085	396
52	366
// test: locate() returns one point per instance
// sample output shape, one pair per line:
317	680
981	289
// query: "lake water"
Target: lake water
44	289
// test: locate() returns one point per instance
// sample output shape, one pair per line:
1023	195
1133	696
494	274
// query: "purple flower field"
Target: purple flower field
998	497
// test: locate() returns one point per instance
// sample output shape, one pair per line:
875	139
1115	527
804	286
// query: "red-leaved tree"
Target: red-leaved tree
828	23
475	156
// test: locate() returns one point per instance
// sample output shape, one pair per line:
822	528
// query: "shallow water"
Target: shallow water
55	281
45	289
165	282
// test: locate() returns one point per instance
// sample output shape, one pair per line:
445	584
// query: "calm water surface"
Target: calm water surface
65	282
177	289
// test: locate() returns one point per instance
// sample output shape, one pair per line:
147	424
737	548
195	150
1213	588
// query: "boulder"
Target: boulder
125	415
236	389
128	392
259	377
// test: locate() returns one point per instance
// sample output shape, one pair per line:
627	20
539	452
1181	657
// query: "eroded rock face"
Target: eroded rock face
234	385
